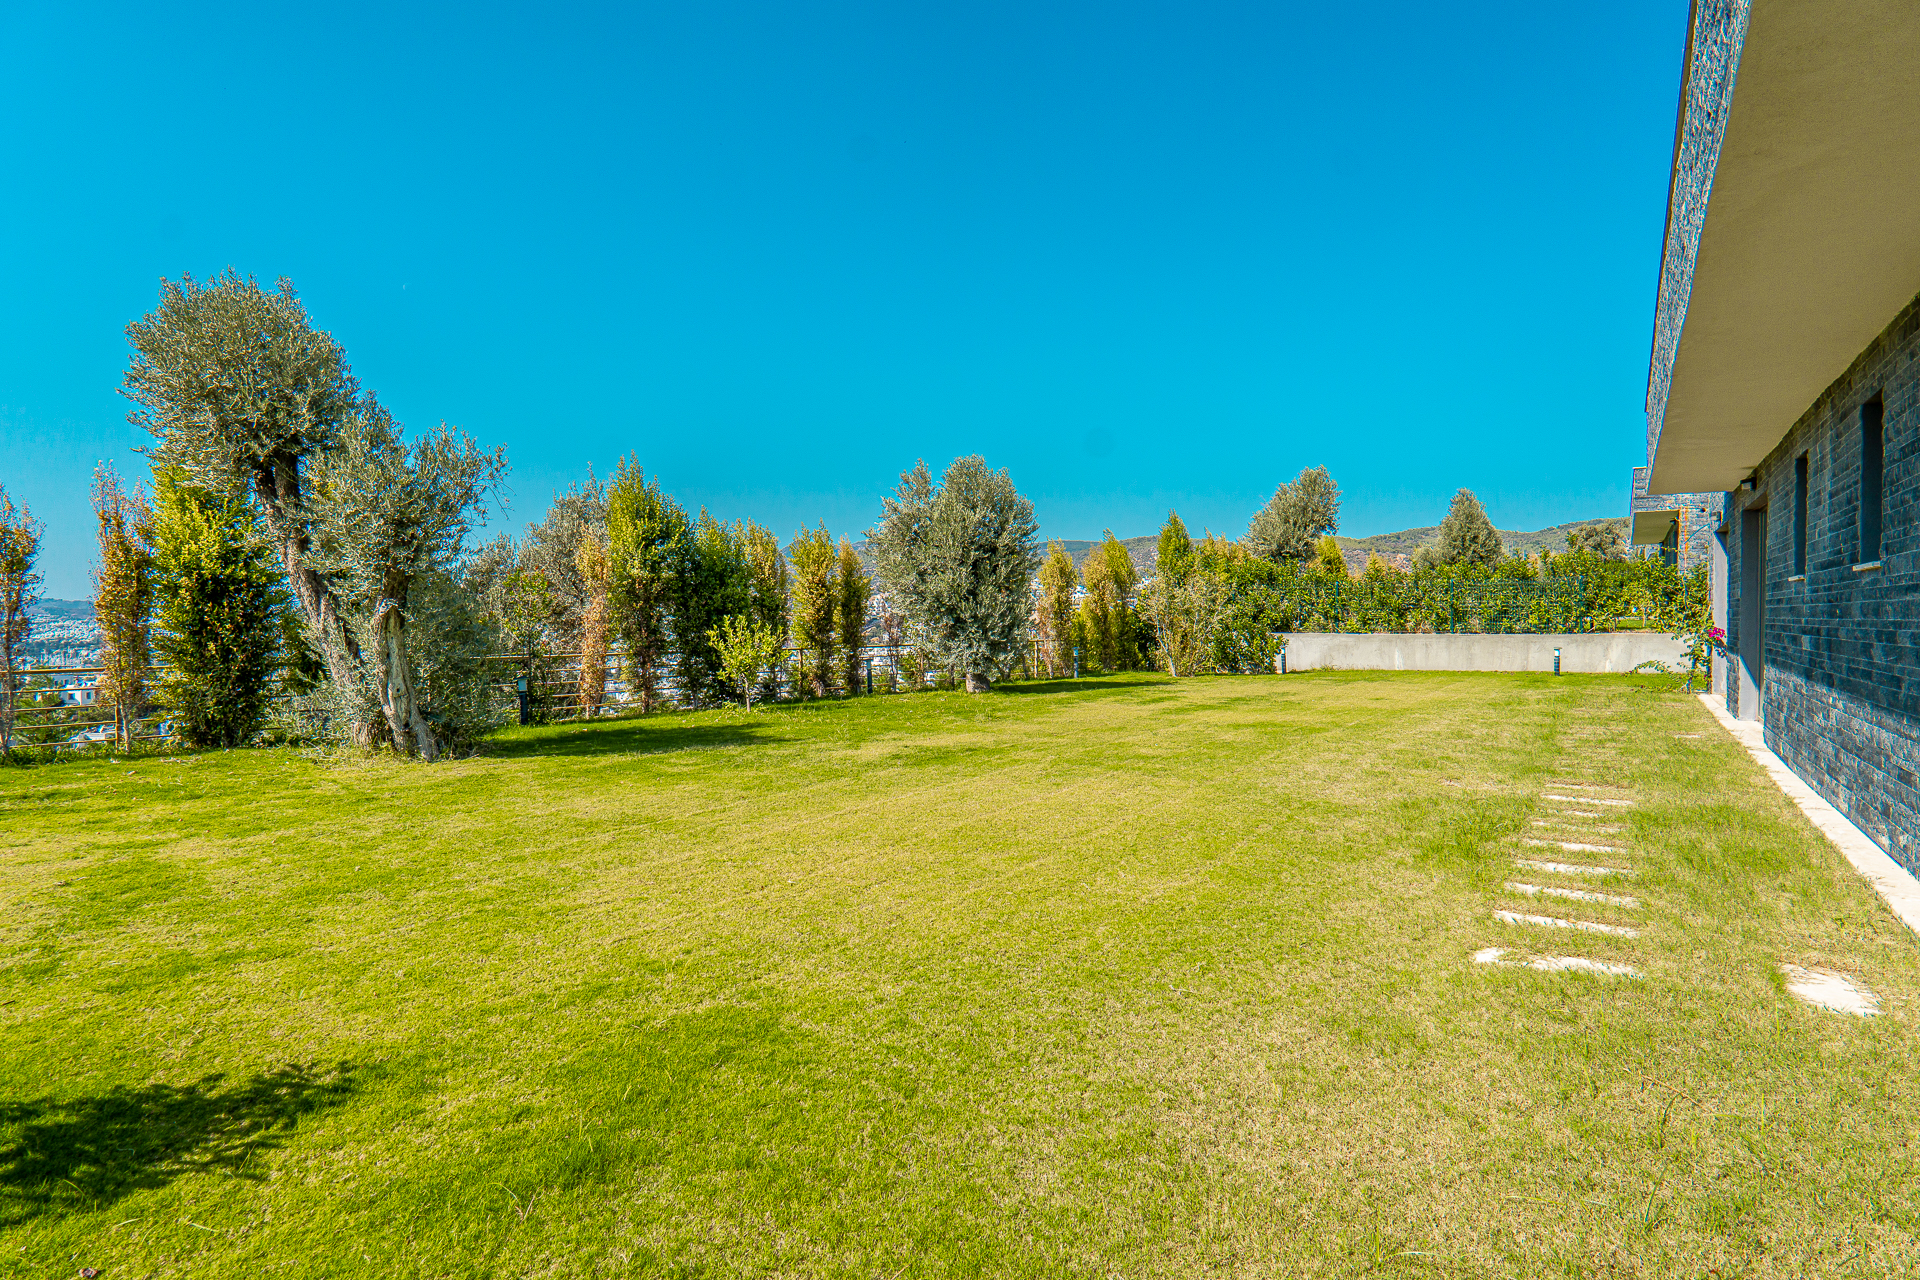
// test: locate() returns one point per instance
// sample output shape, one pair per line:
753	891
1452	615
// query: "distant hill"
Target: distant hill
1408	541
1395	548
63	610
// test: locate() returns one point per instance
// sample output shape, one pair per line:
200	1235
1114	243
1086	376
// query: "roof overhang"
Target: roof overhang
1810	244
1650	528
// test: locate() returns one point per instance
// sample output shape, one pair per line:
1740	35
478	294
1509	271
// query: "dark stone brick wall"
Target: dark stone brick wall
1700	515
1841	700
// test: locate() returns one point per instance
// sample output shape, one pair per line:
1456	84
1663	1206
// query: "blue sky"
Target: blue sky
1144	257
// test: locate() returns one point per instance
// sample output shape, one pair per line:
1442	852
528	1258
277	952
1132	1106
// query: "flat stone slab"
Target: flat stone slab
1555	922
1571	868
1576	895
1574	846
1557	964
1833	991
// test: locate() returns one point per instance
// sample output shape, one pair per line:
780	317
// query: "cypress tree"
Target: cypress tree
712	583
122	598
1466	535
19	590
590	562
853	593
814	601
1057	579
767	571
218	604
1174	557
646	534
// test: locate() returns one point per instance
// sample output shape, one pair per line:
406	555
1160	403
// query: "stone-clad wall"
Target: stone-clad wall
1841	701
1700	515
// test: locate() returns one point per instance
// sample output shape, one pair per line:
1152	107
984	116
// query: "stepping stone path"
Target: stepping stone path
1833	991
1575	808
1573	804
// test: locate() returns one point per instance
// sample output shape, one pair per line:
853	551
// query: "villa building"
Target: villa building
1785	374
1680	526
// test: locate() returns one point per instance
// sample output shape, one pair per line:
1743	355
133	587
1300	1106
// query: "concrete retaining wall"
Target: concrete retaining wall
1614	651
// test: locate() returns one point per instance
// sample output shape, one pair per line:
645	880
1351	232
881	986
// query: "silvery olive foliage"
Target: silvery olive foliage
1466	536
388	523
552	549
958	560
1299	514
248	399
240	392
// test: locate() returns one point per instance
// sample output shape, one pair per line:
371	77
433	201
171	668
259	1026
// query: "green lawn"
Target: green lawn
1114	977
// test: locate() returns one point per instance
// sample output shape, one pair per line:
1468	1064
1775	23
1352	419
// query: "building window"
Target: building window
1800	514
1872	476
1873	466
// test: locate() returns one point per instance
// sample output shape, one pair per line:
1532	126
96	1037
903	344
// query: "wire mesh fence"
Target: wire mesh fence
63	707
1428	603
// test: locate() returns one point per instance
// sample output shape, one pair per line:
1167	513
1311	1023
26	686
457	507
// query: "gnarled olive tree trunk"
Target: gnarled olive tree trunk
279	493
393	678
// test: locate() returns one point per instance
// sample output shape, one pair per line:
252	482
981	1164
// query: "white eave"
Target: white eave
1810	244
1650	528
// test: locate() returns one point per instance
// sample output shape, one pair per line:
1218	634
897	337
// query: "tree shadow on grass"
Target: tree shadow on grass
86	1153
638	737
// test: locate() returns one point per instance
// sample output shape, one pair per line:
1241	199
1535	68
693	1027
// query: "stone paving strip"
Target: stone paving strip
1571	868
1555	922
1573	846
1576	826
1557	964
1833	991
1578	895
1566	792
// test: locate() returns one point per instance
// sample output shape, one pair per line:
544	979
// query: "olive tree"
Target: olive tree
1299	514
959	559
1466	535
552	549
242	394
385	518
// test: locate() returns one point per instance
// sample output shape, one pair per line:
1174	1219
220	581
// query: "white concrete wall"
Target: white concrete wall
1615	651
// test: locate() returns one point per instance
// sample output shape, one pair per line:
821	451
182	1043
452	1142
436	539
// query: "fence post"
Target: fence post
869	677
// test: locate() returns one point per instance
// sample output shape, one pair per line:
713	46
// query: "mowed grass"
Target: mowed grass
1111	977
